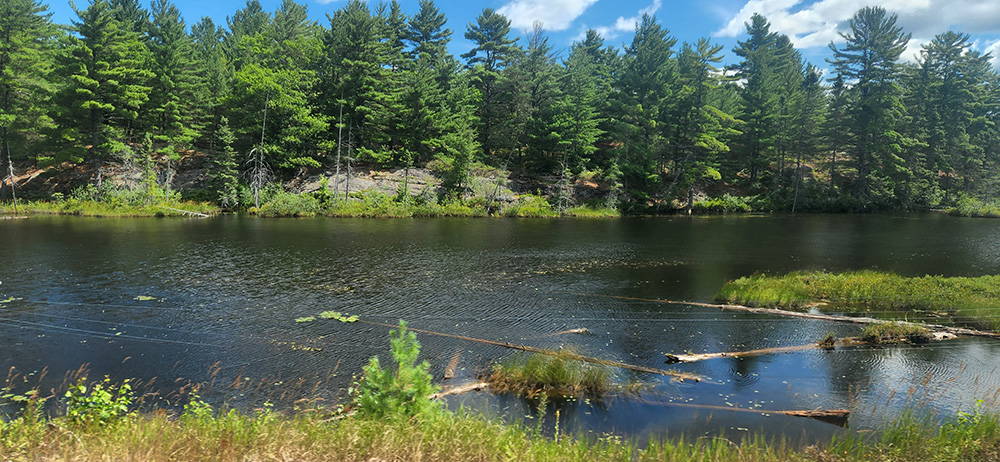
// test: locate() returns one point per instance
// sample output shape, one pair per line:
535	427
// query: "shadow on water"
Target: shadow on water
215	301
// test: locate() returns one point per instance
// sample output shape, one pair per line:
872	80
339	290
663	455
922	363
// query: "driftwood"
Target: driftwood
836	417
12	218
562	354
187	212
960	331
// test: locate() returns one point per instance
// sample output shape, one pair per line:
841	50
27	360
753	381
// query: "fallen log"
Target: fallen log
960	331
681	376
849	341
838	417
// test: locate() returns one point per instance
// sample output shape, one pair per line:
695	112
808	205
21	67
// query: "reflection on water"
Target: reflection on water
215	301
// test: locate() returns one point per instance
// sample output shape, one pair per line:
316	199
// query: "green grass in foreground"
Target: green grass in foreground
968	300
312	435
91	208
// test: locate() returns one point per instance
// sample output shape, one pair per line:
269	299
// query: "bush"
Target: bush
286	204
972	207
403	392
102	403
529	205
723	204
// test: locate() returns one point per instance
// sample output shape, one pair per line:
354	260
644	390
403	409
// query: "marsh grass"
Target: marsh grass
966	300
556	377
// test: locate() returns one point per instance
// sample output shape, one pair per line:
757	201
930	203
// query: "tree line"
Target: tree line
272	94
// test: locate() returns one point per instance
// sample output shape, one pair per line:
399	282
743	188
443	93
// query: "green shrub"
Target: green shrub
403	392
723	204
529	205
972	207
101	403
286	204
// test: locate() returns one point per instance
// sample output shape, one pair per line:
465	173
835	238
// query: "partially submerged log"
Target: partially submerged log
958	331
690	358
849	341
838	417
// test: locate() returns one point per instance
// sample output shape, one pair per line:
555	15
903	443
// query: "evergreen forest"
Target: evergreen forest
272	94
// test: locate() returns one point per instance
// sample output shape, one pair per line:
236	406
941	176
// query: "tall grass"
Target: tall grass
312	435
967	300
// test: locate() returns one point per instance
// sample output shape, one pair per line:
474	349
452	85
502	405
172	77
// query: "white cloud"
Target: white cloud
555	15
993	48
817	23
622	25
913	48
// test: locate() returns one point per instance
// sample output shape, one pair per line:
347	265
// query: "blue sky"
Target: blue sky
811	24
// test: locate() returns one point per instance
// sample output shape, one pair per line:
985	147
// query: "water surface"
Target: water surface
215	300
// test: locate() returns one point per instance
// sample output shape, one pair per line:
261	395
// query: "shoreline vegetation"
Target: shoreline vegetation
972	301
374	204
390	415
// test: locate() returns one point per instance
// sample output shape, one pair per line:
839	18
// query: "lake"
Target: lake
214	301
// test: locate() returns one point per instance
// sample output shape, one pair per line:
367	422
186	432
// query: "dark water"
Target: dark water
215	301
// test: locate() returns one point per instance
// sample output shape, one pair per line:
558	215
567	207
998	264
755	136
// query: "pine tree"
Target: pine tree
640	108
26	52
279	80
216	76
493	51
760	94
108	71
700	130
224	172
175	88
869	59
246	22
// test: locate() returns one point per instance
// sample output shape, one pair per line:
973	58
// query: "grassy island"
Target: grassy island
966	300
